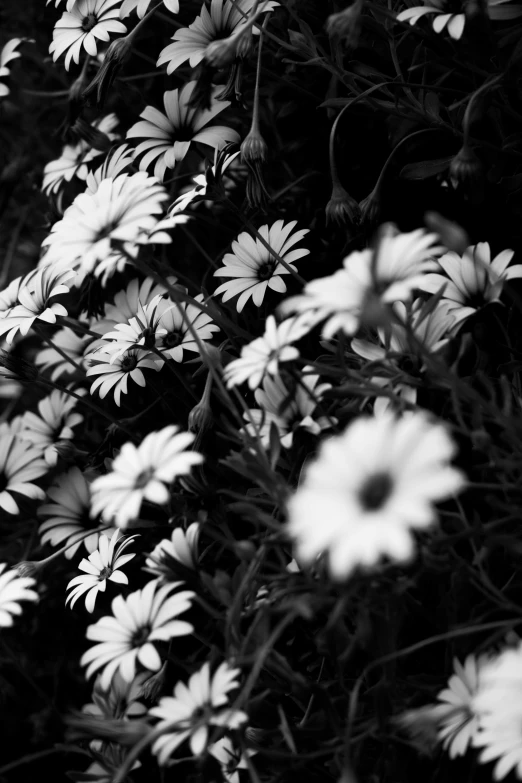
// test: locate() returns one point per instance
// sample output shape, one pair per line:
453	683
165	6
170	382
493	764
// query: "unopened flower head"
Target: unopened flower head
369	489
143	473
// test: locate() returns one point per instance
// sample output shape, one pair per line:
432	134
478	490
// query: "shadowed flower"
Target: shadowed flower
53	424
13	589
128	637
369	488
182	547
253	268
72	345
20	464
169	136
194	707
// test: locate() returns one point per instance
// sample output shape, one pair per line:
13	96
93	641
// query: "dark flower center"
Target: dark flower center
129	362
88	22
105	573
375	491
172	339
266	270
148	335
140	636
143	478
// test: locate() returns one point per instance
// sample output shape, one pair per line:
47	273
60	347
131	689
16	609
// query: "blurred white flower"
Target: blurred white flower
194	708
72	345
120	701
182	547
103	564
8	54
169	136
13	589
139	620
83	23
20	464
143	473
141	7
53	425
253	269
230	758
369	488
456	713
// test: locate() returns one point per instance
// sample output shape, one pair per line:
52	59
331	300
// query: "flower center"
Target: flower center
375	491
143	478
140	636
128	362
148	336
88	22
172	339
105	573
266	270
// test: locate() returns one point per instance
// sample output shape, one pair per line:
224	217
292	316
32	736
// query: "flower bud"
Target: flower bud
342	208
254	147
466	172
28	567
221	53
200	418
370	209
152	687
115	56
345	26
93	136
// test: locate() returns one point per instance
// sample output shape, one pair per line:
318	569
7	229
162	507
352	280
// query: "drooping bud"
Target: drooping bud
254	148
152	687
221	53
115	57
466	174
93	136
345	25
28	567
342	208
370	209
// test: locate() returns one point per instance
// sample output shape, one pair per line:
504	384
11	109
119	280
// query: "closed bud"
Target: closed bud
93	136
14	368
245	550
200	418
342	208
115	57
152	687
466	173
219	54
28	567
254	147
370	209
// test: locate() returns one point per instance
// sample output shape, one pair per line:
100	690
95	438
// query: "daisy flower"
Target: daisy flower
53	425
141	331
114	374
230	758
253	268
262	356
498	706
222	160
118	161
143	473
8	54
195	707
223	19
68	513
103	564
9	296
141	7
13	589
175	319
182	547
472	280
287	411
35	294
454	23
84	22
20	464
120	701
169	136
75	157
71	344
369	488
118	211
139	620
370	280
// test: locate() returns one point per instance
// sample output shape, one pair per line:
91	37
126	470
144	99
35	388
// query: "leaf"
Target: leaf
423	169
432	104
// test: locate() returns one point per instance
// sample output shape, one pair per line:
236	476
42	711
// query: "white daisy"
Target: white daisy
53	425
230	758
13	589
253	268
141	331
141	7
69	514
9	296
500	717
142	618
454	23
84	22
118	161
143	473
181	547
75	157
369	280
222	160
194	708
117	212
103	564
456	713
223	19
262	356
8	54
114	374
472	280
369	488
20	464
72	345
287	411
35	294
169	136
175	320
